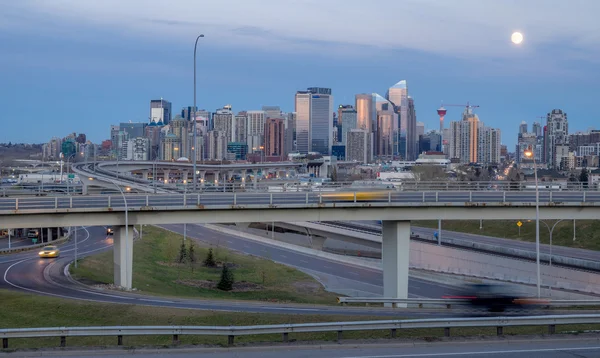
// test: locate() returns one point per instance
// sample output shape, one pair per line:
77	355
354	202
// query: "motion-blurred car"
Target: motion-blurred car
497	297
109	231
360	196
49	252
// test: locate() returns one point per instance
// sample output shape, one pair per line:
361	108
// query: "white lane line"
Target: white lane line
539	350
354	273
304	261
285	257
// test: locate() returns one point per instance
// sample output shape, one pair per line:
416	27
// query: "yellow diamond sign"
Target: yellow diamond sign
519	223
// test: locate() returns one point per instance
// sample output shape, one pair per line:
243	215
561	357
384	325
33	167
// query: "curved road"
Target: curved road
27	272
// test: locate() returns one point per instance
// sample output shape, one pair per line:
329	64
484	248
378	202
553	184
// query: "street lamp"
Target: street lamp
126	228
194	110
530	154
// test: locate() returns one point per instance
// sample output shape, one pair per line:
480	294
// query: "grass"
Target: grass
22	310
155	271
587	231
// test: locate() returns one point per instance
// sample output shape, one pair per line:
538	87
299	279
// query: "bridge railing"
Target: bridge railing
551	321
449	302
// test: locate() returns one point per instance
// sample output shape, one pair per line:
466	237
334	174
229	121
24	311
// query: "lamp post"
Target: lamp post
551	230
68	170
126	228
194	111
530	154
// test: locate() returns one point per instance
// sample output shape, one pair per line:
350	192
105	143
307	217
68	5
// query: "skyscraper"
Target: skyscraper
179	127
523	127
314	120
347	120
472	142
537	129
255	129
223	121
275	139
365	111
557	136
240	128
359	146
404	107
160	111
272	111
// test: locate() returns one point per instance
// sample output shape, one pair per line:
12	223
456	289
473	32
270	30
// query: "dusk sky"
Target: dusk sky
80	66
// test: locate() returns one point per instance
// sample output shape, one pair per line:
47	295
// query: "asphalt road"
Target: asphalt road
14	242
27	272
545	348
521	245
248	198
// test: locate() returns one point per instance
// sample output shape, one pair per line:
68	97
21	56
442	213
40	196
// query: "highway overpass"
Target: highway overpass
395	209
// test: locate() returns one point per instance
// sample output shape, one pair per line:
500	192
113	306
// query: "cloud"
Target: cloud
465	29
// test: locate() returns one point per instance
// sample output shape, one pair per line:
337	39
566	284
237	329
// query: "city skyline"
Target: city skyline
57	77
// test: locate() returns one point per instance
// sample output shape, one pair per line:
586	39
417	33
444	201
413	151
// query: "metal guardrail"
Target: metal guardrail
285	329
241	200
448	302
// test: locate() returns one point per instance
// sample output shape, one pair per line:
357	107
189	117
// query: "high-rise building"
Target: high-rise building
255	130
239	149
290	122
420	129
138	149
523	128
160	111
188	112
359	146
239	127
272	111
472	142
347	120
179	127
557	133
216	145
365	111
274	139
314	120
407	120
223	121
134	130
536	129
170	147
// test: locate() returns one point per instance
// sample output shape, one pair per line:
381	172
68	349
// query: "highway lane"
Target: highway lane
496	241
261	198
515	348
26	272
370	279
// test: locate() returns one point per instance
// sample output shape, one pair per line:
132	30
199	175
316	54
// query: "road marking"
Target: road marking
304	261
285	257
354	273
480	352
327	267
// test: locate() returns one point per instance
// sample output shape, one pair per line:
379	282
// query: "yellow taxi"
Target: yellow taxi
49	251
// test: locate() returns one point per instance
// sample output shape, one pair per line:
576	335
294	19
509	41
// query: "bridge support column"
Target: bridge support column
145	174
395	254
166	174
84	189
49	234
202	175
254	178
123	256
184	175
317	242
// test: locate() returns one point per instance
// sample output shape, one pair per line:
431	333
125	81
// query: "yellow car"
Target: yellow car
49	251
360	196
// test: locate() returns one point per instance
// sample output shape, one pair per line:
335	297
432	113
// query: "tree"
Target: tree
226	281
182	253
584	177
192	254
572	177
210	259
428	172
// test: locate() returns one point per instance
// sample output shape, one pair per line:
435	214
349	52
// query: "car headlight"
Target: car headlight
52	252
41	253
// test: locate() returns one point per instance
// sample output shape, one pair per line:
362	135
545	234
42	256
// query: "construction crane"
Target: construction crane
468	105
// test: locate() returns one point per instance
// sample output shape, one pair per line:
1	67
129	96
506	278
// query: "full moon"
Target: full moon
516	38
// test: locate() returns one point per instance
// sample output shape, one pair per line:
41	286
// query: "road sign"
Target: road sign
71	176
519	224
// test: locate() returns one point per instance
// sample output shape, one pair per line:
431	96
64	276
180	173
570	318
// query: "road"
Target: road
496	241
544	348
26	272
298	198
14	242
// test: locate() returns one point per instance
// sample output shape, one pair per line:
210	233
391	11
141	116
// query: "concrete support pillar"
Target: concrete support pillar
145	174
243	175
202	179
123	256
166	174
49	234
395	255
317	242
217	177
185	175
230	175
84	188
254	178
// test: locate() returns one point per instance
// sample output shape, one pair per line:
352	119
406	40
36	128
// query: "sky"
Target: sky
80	66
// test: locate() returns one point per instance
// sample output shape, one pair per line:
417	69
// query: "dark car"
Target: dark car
493	297
109	230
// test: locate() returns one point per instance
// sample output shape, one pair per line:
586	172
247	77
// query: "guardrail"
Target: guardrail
551	321
448	302
13	250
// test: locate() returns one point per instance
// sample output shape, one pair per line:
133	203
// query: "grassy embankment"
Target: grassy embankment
156	271
587	231
21	310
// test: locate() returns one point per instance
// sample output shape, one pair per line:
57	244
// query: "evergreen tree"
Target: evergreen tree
182	253
192	254
210	259
226	281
